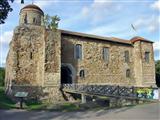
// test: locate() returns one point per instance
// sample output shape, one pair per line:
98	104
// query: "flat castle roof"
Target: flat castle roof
110	39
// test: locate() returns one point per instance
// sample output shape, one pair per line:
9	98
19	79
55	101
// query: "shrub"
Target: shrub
2	76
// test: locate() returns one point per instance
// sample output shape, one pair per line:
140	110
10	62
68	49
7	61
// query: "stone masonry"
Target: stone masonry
40	59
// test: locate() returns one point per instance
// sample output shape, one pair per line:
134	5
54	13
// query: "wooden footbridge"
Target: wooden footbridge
126	92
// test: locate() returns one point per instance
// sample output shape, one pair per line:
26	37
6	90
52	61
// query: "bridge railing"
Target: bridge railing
112	90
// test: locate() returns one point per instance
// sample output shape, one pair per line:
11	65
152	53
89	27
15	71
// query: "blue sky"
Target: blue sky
112	18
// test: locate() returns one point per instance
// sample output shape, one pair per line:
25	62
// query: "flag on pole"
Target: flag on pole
133	27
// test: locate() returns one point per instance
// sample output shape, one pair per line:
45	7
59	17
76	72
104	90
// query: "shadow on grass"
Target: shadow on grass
5	102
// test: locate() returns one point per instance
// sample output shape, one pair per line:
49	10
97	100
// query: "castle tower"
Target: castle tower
31	14
34	58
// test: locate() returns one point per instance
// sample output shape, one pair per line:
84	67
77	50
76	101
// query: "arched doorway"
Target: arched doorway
66	75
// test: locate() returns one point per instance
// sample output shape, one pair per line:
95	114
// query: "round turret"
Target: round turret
31	14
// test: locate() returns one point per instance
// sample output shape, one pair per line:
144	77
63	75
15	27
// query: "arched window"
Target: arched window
128	73
78	51
82	74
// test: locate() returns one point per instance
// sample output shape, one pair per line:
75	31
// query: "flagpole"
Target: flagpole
135	33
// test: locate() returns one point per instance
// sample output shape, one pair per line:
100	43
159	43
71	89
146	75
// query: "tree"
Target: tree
47	21
51	22
22	1
54	22
157	66
5	8
2	76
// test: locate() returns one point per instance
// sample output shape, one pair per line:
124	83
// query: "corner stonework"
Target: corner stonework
33	63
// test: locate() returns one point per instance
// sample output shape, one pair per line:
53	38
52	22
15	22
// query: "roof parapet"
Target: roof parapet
137	38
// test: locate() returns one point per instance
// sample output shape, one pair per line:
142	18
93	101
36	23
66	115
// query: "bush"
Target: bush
2	76
157	65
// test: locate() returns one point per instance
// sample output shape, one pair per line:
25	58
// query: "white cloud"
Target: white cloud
2	63
156	45
106	30
40	3
44	3
18	1
156	5
149	23
6	37
99	10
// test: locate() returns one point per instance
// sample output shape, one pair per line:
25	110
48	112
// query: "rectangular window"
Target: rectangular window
147	57
31	55
128	73
126	55
106	54
78	51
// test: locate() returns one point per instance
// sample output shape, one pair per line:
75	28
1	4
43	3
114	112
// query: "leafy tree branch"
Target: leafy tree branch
51	22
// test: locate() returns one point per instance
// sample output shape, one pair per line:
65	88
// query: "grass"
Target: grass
5	102
67	107
35	105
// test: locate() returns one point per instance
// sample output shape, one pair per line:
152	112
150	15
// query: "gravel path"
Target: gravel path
140	112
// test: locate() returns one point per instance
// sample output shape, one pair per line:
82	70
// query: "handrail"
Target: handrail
112	90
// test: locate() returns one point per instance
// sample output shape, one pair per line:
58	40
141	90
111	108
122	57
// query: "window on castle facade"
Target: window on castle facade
106	54
25	19
126	56
128	73
34	20
31	55
147	56
82	74
78	51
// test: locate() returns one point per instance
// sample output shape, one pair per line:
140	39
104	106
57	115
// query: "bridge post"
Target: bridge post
159	93
83	98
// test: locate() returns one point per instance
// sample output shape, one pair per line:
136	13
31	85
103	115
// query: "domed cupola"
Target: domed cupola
31	14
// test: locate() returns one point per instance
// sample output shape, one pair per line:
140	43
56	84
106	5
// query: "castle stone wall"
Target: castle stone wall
31	17
26	56
137	56
97	71
37	54
52	68
144	71
148	67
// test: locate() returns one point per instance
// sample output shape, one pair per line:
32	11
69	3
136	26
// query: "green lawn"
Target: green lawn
35	106
5	102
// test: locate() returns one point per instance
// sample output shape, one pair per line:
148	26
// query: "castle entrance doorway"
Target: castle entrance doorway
66	75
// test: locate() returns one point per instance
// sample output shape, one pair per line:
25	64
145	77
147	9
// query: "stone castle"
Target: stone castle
40	57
